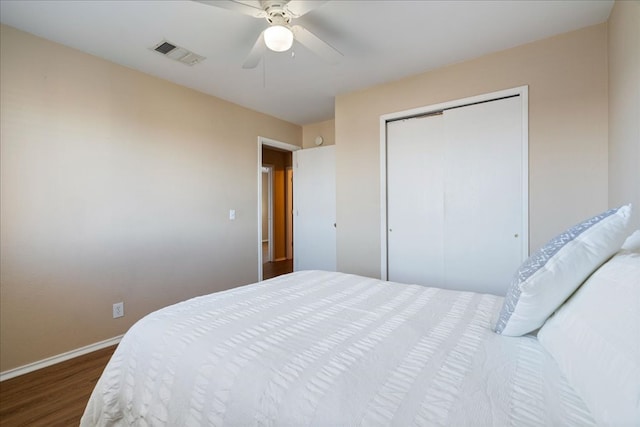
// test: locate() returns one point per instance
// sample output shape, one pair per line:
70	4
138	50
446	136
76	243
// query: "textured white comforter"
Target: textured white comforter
330	349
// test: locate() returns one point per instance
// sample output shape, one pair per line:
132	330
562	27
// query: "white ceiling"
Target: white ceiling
382	40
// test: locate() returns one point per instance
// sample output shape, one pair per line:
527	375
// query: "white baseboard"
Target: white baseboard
21	370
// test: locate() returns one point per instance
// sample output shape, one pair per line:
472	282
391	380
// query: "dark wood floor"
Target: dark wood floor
53	396
273	269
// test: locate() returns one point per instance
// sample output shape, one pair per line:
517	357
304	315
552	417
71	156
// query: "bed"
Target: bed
333	349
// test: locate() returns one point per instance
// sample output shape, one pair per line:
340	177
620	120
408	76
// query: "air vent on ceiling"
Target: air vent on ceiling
178	53
164	48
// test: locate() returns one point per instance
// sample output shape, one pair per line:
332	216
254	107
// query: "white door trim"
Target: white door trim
523	92
289	212
275	144
269	172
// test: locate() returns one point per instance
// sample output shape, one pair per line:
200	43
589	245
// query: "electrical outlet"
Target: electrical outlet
118	310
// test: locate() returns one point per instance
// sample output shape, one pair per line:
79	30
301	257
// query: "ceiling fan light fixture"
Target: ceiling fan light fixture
278	38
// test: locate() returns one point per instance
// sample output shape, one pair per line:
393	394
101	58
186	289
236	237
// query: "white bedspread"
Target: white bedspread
330	349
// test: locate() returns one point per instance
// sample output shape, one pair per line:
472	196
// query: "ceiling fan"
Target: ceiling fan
280	34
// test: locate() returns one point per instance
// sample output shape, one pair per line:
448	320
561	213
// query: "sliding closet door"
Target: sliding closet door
483	193
454	197
415	168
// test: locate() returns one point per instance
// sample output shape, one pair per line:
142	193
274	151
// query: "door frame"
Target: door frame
270	244
523	92
281	146
289	212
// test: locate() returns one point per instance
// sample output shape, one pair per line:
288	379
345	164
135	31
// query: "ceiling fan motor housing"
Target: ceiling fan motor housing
276	12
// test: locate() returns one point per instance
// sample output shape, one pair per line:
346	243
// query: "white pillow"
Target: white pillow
633	242
545	280
595	339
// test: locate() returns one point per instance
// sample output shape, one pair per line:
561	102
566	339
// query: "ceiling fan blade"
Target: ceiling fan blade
257	52
314	44
251	8
297	8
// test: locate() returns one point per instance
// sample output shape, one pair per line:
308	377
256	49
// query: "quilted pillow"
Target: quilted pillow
595	339
545	280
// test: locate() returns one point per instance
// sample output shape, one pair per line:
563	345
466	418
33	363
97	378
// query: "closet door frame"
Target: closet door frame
523	92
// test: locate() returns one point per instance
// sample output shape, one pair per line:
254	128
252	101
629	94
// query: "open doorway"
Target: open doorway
275	225
278	263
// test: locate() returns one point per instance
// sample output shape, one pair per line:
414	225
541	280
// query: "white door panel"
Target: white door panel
483	193
314	201
414	176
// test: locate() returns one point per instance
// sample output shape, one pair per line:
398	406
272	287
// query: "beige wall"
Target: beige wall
324	129
115	186
567	78
624	106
